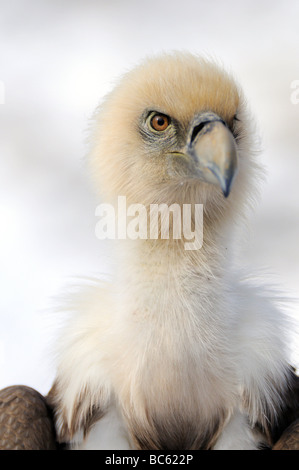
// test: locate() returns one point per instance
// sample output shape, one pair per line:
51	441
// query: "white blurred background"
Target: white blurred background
57	59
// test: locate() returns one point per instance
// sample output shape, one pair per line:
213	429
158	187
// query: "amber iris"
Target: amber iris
159	122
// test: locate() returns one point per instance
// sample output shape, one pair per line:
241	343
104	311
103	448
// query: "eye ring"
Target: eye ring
159	122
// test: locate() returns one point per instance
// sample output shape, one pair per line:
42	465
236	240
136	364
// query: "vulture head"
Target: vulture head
175	130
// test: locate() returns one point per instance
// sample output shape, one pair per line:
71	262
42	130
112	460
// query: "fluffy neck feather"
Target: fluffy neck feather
168	306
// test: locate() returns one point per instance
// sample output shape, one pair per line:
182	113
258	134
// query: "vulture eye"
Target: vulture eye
159	122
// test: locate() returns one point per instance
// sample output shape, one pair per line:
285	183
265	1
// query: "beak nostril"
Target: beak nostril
197	129
205	121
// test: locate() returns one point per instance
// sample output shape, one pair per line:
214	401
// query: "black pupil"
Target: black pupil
161	121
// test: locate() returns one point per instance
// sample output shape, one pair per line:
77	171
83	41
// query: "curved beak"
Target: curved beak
213	150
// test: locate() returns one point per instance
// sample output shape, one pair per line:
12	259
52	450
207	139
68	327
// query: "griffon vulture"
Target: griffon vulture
182	349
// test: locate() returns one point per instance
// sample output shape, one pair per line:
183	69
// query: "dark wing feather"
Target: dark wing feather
289	412
289	439
26	421
283	432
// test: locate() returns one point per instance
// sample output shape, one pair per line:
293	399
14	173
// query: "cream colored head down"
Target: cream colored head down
180	349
